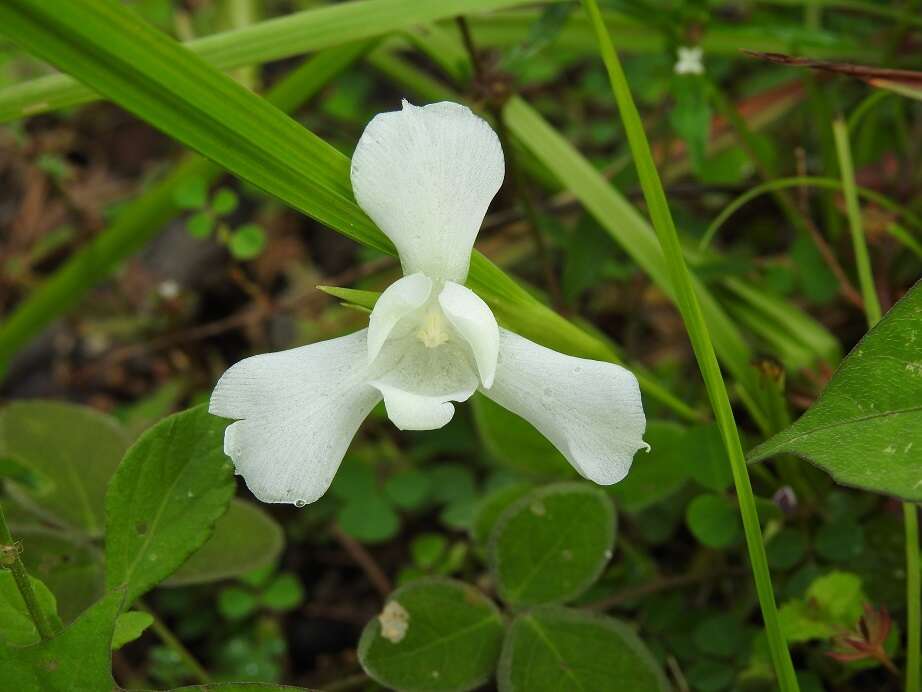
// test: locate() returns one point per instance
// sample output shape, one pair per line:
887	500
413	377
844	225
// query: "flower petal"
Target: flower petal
590	410
417	382
401	298
299	410
474	321
426	177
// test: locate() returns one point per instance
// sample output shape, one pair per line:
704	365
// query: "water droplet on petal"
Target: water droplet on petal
300	503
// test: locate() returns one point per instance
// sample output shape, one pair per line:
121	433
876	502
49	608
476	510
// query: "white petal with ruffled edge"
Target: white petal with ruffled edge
426	177
474	321
399	300
590	410
418	382
297	412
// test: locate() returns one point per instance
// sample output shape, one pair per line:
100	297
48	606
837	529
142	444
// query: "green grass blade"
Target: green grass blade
688	302
859	246
873	313
282	37
145	217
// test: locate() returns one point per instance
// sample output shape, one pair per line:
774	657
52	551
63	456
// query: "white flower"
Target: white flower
426	177
690	60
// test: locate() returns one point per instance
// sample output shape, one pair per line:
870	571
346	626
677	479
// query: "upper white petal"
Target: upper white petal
474	321
418	382
426	177
590	410
401	298
299	410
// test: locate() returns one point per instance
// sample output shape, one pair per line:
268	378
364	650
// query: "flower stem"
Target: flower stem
690	308
872	313
9	558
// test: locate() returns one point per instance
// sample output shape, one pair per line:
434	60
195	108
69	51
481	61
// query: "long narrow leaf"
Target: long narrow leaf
302	32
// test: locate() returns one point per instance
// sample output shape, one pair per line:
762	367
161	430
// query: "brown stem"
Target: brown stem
363	559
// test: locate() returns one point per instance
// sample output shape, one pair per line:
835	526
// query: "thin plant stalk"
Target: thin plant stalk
690	309
9	558
859	246
872	312
799	181
172	641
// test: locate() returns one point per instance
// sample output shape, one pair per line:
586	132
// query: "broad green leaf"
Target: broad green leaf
74	449
659	474
16	625
866	428
173	485
833	603
489	508
552	544
245	538
68	565
549	649
433	634
281	37
129	626
714	521
515	443
79	658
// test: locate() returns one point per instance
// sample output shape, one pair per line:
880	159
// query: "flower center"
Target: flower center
433	331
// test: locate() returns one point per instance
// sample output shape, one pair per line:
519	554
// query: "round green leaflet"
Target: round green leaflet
550	649
434	635
552	544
